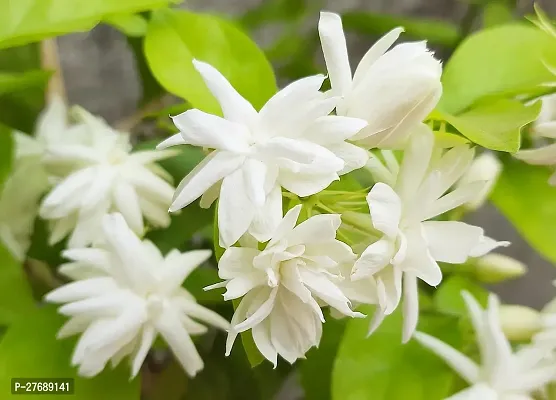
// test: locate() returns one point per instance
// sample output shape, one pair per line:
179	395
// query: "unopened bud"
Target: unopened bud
519	323
494	268
485	167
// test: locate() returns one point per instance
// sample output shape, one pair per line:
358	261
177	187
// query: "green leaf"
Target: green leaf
495	125
19	109
25	21
316	370
201	278
16	299
10	82
6	154
499	59
30	349
130	24
448	299
524	197
381	367
436	32
175	38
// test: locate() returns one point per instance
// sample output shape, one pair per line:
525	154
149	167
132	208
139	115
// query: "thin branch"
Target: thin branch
50	60
128	123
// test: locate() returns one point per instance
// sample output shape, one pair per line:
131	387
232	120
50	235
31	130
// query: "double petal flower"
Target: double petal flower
401	207
393	90
290	143
98	174
502	374
284	285
125	294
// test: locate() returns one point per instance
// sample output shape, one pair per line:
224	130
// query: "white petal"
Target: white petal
485	245
259	314
81	290
179	341
463	365
240	285
254	176
354	156
317	229
410	306
286	225
52	122
373	54
261	337
235	210
206	130
415	163
378	317
127	203
373	259
333	129
212	169
451	241
304	184
292	280
125	245
234	106
453	200
236	261
67	192
174	273
267	218
210	195
293	98
73	326
327	292
335	52
147	339
204	314
542	156
386	208
479	391
419	261
389	289
173	140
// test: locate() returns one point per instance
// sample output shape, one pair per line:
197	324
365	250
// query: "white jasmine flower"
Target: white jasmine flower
291	142
412	245
486	168
125	294
543	127
101	176
502	374
283	285
393	90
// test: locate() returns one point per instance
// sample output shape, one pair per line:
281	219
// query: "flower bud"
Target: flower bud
486	167
494	267
519	323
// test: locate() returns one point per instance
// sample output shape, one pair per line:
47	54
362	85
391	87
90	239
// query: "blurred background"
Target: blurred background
101	75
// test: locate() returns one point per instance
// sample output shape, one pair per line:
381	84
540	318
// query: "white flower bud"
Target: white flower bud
494	267
486	167
519	323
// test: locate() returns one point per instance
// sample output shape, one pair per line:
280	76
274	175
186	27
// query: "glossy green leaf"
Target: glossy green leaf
499	59
447	298
381	367
16	299
175	38
495	125
130	24
30	349
524	197
25	21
